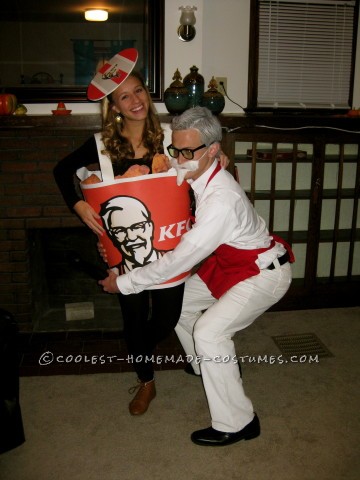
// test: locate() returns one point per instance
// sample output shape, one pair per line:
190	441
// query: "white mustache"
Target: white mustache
189	166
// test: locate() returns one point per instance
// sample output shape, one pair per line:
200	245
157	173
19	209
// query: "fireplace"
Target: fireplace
36	225
65	266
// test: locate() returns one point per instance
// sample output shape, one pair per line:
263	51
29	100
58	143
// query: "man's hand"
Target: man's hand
109	284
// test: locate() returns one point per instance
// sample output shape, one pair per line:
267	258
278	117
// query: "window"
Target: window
305	54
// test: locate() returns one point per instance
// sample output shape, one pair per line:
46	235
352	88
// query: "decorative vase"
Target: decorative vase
213	99
176	96
194	82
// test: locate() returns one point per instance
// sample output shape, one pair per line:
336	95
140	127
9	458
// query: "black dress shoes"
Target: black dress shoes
215	438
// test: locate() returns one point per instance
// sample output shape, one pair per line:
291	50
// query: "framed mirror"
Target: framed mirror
49	52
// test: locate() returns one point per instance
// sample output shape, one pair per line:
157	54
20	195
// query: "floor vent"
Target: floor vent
301	344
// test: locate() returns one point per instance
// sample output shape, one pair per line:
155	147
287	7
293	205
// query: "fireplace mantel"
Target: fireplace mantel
228	121
91	122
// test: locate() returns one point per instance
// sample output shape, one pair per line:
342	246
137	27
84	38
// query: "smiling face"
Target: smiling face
131	99
131	230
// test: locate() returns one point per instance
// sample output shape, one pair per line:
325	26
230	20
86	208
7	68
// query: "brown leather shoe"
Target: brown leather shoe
145	393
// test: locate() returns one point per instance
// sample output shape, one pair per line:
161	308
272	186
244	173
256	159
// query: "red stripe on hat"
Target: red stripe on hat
120	76
105	67
94	93
130	54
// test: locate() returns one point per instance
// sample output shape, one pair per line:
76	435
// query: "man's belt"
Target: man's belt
282	260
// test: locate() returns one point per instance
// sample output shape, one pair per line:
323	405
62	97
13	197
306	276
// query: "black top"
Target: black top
84	156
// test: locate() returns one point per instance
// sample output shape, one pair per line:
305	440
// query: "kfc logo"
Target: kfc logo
129	226
174	230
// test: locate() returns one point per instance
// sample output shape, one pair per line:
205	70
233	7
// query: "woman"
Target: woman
132	134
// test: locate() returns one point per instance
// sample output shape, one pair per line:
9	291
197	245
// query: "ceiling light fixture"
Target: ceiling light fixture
96	15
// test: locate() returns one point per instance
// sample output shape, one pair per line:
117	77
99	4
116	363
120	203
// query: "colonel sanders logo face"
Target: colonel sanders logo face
129	226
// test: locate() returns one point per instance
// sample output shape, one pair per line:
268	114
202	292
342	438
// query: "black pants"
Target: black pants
149	317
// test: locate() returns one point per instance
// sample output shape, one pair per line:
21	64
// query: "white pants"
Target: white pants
209	335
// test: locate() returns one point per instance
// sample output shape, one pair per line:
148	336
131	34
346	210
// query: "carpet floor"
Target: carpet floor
77	427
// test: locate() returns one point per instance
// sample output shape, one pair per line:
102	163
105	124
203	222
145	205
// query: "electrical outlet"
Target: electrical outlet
222	80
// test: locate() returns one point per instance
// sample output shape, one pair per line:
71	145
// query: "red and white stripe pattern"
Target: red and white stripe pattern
112	74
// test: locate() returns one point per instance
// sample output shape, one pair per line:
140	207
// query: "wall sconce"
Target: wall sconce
186	30
96	15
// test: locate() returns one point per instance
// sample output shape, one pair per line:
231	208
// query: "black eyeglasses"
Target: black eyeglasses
187	153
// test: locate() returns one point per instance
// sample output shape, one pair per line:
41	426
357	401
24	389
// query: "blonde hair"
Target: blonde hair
118	147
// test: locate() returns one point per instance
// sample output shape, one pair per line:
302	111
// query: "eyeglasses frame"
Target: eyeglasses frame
181	150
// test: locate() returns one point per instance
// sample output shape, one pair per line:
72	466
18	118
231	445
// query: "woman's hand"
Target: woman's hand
88	216
102	251
223	159
109	284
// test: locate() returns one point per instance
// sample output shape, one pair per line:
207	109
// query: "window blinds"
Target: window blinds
305	53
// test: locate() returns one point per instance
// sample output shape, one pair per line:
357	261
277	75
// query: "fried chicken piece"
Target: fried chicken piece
90	180
160	163
134	171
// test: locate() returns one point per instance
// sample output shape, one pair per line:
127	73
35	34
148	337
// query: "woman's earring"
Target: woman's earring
118	119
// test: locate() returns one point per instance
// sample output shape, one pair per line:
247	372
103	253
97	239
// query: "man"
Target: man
130	228
246	272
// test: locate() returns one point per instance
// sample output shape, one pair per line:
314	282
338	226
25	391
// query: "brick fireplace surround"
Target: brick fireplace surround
30	147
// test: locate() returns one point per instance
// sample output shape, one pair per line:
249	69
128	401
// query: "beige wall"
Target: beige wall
220	47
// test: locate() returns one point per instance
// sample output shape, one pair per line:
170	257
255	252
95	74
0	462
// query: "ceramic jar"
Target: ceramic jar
176	96
213	99
194	82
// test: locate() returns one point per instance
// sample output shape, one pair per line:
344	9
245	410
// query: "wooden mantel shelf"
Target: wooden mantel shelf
229	121
91	122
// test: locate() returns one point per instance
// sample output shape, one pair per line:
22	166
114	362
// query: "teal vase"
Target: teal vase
194	82
213	99
176	97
